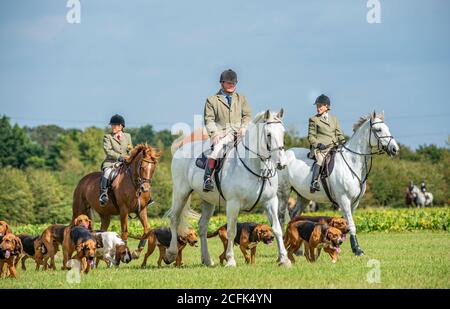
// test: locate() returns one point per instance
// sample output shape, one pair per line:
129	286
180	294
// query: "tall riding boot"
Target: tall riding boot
315	179
208	184
103	191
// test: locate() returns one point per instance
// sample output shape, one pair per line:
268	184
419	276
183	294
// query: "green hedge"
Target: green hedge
369	220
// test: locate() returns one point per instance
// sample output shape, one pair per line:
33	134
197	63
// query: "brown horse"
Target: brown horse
130	191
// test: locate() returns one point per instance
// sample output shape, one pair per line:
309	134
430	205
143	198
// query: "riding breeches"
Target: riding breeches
107	172
320	155
219	149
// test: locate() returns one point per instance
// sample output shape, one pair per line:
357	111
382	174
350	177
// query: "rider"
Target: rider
226	113
423	186
323	133
116	145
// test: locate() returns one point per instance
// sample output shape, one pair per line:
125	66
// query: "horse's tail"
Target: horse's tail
198	135
187	214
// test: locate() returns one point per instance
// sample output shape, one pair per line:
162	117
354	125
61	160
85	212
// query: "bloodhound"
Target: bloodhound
54	235
338	222
247	237
10	250
34	248
161	237
314	235
4	228
79	240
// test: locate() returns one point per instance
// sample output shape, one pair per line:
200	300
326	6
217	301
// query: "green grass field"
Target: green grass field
418	259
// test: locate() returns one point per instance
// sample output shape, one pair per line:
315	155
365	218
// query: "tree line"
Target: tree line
41	166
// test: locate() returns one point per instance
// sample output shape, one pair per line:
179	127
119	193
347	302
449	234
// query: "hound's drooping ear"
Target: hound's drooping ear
373	115
267	115
18	245
79	246
90	225
280	113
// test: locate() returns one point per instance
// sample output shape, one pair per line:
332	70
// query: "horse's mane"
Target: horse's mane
363	119
143	148
260	117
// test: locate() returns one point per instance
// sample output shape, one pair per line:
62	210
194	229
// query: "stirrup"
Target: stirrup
208	185
314	186
103	199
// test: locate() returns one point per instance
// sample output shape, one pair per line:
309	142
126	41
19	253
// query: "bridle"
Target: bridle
140	180
368	165
380	147
270	172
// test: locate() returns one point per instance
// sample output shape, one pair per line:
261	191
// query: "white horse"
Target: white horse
347	182
422	199
248	175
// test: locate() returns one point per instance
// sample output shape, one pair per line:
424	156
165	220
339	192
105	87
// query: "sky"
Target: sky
155	62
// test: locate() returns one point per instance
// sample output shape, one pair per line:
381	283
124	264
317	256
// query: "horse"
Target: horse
248	177
130	191
422	199
347	181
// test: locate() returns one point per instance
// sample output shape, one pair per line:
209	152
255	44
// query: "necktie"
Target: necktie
118	136
228	99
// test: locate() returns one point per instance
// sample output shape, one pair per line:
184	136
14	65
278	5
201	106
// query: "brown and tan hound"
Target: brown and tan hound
4	228
34	248
79	240
248	235
314	236
54	235
10	251
338	222
161	237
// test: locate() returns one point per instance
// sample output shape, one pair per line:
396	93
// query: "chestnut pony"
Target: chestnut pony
130	191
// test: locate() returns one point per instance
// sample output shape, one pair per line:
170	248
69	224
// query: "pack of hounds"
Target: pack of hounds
80	242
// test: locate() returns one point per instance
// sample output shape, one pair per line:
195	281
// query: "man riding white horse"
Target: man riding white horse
324	132
226	114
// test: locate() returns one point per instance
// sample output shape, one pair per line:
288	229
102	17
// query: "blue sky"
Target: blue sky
156	61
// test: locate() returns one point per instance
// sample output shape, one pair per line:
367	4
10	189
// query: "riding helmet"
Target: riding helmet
117	119
228	76
323	99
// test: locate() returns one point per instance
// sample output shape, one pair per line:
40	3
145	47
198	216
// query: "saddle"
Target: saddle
112	176
203	159
325	171
328	163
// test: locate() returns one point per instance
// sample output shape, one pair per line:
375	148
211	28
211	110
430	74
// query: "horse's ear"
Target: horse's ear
373	116
267	115
382	115
280	113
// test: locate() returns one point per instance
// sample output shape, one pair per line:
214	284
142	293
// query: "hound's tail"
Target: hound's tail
215	233
145	236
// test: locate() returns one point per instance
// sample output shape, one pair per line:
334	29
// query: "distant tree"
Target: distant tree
16	197
48	197
16	148
65	153
144	134
431	152
166	138
91	146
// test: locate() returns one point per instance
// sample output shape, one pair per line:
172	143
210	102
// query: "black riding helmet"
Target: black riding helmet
228	76
117	119
323	99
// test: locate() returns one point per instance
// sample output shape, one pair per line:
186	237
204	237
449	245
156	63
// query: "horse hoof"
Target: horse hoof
358	252
230	264
285	262
170	257
208	262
